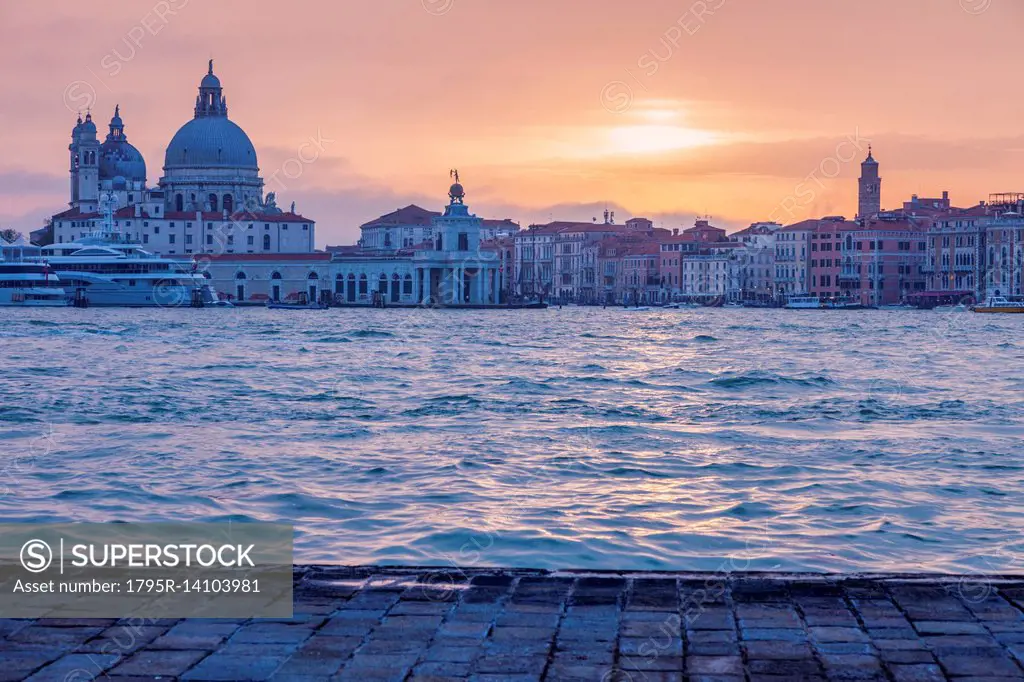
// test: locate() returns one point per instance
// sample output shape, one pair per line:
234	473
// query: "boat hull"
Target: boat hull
35	297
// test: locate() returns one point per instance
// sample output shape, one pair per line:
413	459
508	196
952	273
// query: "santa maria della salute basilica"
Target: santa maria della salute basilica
209	207
208	200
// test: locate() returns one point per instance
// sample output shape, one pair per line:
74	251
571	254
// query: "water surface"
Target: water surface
707	439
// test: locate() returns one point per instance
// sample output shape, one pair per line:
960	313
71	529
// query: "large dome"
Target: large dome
210	142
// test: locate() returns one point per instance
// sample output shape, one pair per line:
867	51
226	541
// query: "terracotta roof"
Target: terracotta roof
410	215
75	214
504	222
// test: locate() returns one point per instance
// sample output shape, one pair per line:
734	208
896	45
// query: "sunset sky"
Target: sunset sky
549	108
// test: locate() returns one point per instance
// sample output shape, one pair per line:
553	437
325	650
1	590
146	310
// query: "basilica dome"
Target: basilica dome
118	158
210	142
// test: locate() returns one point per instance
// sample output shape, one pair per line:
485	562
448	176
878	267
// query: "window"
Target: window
188	239
179	203
266	242
170	238
250	240
209	239
212	198
145	239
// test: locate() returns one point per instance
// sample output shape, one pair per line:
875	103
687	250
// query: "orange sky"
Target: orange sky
549	108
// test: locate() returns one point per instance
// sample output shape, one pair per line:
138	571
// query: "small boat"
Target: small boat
958	308
999	304
301	302
639	307
222	303
733	304
682	306
282	305
897	306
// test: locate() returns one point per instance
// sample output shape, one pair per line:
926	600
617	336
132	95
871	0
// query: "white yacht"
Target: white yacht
103	269
24	279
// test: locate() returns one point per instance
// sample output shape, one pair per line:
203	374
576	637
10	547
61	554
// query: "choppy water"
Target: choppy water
704	439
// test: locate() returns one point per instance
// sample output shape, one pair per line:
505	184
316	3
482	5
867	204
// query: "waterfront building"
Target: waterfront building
956	252
882	261
208	201
453	267
639	278
412	225
756	261
575	270
1003	273
534	261
792	248
825	265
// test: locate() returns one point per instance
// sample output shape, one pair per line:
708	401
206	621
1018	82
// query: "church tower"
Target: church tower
869	202
85	169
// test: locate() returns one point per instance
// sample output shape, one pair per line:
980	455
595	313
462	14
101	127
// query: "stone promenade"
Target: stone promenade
371	625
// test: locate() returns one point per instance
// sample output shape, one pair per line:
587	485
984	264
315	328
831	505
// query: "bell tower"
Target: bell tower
85	169
869	203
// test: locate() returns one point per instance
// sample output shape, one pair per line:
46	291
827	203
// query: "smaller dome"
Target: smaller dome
209	80
88	126
456	190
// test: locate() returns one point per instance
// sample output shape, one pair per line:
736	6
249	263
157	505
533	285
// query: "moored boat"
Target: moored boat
999	304
803	303
25	280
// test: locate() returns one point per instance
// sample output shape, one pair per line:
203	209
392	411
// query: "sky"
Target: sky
742	110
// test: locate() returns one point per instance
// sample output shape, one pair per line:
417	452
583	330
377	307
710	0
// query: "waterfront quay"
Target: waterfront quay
522	625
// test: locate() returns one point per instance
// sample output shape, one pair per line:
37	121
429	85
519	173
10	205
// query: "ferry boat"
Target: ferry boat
104	269
999	304
24	280
803	303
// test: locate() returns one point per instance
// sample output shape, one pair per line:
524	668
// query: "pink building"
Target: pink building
883	261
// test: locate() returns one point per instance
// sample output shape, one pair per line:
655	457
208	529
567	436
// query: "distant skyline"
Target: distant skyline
745	110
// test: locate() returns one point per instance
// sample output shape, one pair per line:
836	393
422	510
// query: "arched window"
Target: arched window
276	275
229	203
266	242
213	202
363	284
382	286
179	202
240	275
339	284
396	287
407	285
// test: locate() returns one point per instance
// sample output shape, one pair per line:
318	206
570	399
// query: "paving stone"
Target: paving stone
793	669
510	663
75	668
917	673
928	627
714	665
777	650
781	634
169	663
992	666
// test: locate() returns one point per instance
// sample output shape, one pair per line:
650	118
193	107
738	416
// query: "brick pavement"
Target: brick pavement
374	625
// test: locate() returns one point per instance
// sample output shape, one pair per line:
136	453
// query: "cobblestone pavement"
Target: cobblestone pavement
431	624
